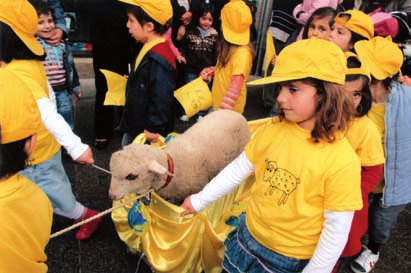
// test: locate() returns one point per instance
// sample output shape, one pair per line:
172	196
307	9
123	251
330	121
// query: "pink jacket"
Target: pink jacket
303	11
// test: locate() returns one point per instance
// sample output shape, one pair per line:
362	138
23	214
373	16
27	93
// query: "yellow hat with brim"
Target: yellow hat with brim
382	56
357	22
310	58
19	114
235	22
159	10
21	16
362	70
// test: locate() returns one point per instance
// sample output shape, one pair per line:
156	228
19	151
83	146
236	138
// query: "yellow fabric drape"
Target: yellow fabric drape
116	88
269	50
173	244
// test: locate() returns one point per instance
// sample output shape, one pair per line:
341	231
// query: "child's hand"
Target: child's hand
86	158
207	74
125	77
79	95
405	80
186	18
181	32
152	137
187	206
181	59
56	37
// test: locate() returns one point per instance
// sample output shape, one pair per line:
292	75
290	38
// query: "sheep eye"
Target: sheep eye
131	176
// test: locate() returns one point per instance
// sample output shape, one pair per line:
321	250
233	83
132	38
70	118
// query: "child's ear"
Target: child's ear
29	146
149	26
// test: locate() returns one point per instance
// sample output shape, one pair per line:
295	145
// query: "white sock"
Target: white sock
74	214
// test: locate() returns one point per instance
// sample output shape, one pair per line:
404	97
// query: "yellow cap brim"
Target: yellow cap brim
31	43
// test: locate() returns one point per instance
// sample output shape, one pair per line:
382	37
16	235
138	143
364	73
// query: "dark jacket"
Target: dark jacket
150	93
200	52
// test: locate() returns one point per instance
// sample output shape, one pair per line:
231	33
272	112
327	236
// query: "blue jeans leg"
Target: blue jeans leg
64	106
382	219
51	177
127	139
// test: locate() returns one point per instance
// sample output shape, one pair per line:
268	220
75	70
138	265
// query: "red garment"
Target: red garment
370	176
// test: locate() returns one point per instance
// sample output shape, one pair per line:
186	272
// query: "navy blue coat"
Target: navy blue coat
150	92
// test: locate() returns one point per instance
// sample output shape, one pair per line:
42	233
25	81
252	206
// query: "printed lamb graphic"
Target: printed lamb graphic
280	179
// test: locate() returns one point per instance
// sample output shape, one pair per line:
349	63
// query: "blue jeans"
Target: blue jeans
382	219
244	254
51	177
127	139
64	106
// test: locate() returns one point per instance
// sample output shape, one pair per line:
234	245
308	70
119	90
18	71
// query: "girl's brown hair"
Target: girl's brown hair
225	50
334	110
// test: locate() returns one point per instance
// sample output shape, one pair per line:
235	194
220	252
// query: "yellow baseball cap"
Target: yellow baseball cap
21	16
314	58
357	22
159	10
382	56
235	22
19	114
362	70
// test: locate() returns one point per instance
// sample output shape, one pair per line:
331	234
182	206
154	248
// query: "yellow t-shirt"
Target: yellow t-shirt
365	138
26	218
296	180
377	115
239	64
33	73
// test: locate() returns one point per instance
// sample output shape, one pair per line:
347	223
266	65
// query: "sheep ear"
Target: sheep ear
155	167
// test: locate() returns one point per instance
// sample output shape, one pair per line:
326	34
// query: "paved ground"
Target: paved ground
104	251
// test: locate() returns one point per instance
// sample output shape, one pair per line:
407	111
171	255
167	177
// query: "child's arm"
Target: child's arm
59	128
229	178
332	241
233	92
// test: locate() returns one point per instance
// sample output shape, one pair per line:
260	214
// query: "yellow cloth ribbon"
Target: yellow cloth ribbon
194	96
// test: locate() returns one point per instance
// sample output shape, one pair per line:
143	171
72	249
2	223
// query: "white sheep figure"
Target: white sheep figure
198	155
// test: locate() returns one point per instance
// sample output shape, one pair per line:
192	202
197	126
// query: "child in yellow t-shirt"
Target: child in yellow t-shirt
21	54
26	212
365	138
390	112
307	176
234	60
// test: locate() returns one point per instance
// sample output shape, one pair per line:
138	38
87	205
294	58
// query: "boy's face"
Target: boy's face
139	32
45	26
341	36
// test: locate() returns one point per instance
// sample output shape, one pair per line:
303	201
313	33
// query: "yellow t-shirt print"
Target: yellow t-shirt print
279	179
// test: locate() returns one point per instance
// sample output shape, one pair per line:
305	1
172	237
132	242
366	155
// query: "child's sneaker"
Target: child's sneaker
365	262
87	229
183	118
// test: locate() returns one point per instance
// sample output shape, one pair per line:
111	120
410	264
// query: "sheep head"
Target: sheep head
135	169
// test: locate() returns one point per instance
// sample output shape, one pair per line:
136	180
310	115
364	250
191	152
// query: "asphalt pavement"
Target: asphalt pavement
104	251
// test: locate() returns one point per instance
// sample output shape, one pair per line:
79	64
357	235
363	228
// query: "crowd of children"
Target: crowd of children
340	136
